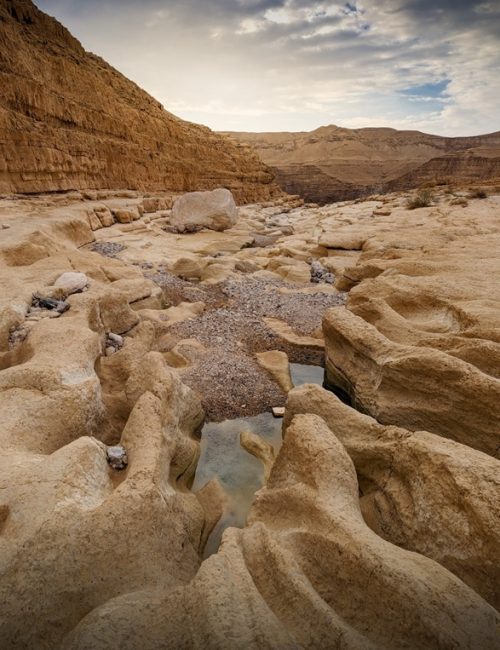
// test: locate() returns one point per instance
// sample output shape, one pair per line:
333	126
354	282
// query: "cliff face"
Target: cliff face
334	164
68	120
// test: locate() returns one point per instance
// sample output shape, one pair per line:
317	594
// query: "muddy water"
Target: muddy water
240	473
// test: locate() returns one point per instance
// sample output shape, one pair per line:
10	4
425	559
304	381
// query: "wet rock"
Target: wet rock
259	448
117	457
276	364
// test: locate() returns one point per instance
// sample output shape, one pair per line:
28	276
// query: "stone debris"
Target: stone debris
59	306
278	411
107	248
17	335
117	457
320	274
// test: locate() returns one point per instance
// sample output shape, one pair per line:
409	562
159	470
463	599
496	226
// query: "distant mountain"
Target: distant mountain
333	163
68	120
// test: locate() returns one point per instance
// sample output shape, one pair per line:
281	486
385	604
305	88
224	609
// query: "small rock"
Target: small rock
278	411
116	339
320	274
49	303
110	350
117	457
5	226
72	282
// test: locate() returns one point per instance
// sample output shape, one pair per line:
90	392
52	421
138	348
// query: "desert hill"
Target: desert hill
334	163
68	120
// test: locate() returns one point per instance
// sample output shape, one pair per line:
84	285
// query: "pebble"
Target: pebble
48	303
278	411
117	457
115	338
72	282
320	274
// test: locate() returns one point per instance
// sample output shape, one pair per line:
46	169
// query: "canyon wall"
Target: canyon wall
336	164
68	120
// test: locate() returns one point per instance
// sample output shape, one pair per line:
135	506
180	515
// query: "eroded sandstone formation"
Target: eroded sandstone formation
68	120
377	523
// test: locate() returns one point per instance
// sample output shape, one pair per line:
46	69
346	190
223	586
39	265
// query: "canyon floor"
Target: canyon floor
376	521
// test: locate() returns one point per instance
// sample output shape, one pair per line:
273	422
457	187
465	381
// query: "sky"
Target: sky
295	65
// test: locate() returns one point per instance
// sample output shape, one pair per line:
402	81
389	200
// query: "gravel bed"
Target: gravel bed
107	248
229	381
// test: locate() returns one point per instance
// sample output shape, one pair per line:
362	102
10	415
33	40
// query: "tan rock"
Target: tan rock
215	210
284	330
273	580
259	448
94	221
276	364
419	491
414	387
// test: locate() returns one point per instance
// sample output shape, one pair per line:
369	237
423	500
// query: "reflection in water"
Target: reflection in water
304	374
240	473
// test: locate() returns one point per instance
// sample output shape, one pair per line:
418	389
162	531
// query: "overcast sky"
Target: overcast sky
293	65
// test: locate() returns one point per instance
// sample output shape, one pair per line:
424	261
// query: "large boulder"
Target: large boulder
215	210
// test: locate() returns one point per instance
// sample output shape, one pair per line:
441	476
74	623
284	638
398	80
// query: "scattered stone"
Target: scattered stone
17	335
321	274
115	339
72	282
107	248
126	216
117	457
278	411
59	306
263	241
5	226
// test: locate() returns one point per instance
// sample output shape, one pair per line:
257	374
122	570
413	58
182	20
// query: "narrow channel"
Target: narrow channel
239	473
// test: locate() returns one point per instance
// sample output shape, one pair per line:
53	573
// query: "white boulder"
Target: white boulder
215	210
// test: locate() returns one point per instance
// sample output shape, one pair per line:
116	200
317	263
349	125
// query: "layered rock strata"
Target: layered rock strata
338	164
68	120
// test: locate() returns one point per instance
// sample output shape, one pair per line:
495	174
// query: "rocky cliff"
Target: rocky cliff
68	120
336	164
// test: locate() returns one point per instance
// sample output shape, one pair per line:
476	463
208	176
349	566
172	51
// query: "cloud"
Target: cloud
297	64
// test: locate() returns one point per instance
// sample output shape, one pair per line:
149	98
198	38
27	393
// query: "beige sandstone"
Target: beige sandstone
68	120
374	530
276	363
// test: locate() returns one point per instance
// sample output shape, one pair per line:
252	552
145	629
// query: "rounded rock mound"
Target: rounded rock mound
215	210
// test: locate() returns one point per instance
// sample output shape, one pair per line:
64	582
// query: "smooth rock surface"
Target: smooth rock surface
214	210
